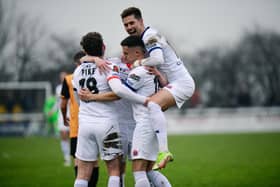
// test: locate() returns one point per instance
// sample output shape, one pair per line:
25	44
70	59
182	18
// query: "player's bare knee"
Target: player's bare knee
113	167
139	165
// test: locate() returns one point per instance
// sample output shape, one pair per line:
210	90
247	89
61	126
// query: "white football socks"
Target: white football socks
81	183
141	179
114	181
65	147
158	179
159	125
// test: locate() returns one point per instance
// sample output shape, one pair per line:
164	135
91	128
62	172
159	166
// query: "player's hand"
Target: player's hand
85	95
140	62
152	70
147	101
66	122
102	64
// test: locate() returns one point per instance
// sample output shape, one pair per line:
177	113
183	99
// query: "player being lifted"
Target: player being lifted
180	83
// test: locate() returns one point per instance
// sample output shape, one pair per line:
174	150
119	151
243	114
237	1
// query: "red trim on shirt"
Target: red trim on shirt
129	65
113	77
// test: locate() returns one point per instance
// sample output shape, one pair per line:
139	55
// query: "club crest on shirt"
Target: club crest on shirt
134	77
135	152
116	69
152	42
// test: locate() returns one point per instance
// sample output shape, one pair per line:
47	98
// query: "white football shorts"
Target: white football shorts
126	132
95	139
144	142
181	89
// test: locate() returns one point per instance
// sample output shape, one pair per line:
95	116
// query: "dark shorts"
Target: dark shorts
73	142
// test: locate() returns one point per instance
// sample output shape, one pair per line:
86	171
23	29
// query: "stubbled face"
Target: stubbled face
129	54
133	26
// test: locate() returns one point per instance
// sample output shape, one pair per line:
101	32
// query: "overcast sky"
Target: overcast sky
188	24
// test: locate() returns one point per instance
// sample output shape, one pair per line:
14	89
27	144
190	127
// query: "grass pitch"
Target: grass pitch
227	160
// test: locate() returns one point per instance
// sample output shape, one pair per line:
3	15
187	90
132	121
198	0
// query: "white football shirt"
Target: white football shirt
88	76
173	67
124	107
141	82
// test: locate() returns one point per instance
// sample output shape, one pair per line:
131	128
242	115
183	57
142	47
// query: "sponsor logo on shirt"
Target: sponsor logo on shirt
134	77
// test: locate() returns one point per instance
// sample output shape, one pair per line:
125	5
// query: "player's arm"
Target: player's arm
63	108
86	95
160	77
154	50
124	92
65	95
155	58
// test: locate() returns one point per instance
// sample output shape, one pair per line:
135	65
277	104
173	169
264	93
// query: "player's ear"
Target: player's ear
138	51
103	48
141	21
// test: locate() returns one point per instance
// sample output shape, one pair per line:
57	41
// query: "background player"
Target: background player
51	115
63	130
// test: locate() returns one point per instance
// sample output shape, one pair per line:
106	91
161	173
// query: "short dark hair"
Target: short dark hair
92	43
132	11
78	56
134	41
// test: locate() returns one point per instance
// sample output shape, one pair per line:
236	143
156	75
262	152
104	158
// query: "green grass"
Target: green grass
229	160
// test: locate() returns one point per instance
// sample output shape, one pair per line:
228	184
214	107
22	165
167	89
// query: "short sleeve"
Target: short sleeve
114	72
135	79
152	40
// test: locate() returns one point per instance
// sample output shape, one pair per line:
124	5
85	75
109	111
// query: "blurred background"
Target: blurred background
232	49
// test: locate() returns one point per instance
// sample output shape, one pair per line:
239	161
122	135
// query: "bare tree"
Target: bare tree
260	58
27	37
63	51
5	19
19	36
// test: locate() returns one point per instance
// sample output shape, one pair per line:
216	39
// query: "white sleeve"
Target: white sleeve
122	91
155	58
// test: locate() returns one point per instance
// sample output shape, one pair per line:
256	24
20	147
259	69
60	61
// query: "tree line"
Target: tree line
246	74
